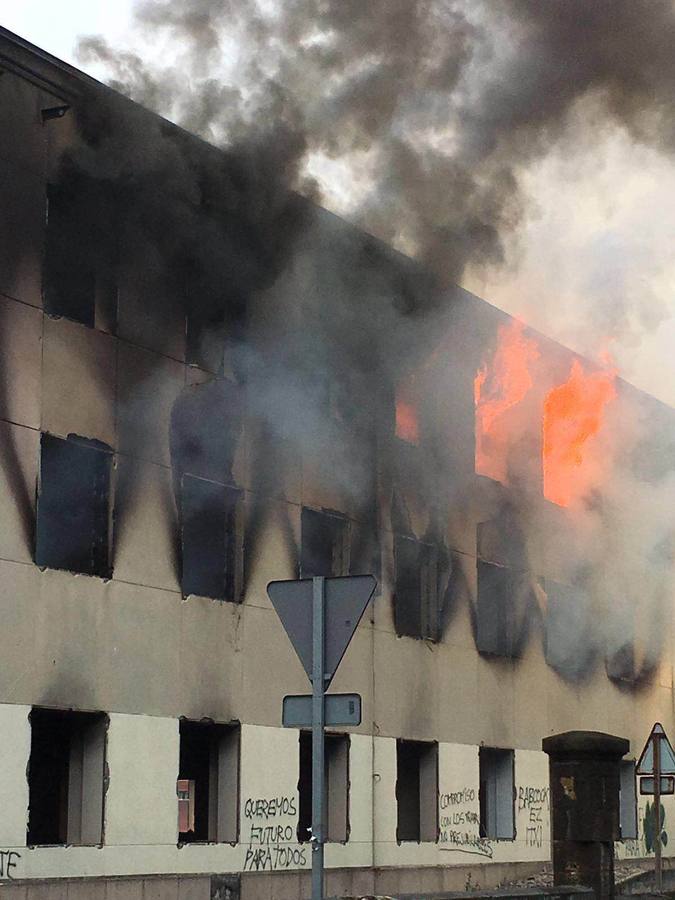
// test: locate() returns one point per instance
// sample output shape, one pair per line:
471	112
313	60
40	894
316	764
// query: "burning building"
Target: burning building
209	383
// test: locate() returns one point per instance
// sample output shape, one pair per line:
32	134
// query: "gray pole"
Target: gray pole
657	810
318	757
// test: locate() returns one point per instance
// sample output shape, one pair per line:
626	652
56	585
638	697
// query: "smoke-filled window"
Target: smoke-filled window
416	598
205	430
79	272
209	530
65	777
209	775
324	544
501	610
73	506
569	638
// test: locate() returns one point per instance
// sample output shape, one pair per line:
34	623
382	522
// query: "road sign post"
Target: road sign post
320	616
318	756
657	812
657	759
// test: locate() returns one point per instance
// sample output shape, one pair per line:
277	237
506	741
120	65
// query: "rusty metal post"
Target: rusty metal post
584	771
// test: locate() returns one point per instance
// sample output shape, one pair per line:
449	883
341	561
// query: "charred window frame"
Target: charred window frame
496	794
627	800
80	264
73	524
325	540
66	777
211	532
208	783
416	598
416	791
336	788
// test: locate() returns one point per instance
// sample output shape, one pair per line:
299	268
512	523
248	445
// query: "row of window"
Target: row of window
74	532
67	783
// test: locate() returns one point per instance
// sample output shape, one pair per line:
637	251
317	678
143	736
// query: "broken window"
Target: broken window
73	506
66	777
496	793
416	791
628	800
79	278
324	544
208	783
416	601
336	788
209	538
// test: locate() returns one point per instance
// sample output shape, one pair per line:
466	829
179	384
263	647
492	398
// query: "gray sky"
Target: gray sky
601	221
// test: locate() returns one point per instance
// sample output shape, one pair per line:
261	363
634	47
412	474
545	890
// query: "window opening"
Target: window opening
416	791
628	800
66	777
73	506
336	788
496	793
208	783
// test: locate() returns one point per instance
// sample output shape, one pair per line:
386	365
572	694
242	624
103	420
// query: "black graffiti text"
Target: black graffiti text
8	861
268	859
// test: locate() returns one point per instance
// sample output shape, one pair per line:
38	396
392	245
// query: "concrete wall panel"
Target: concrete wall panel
147	539
22	227
20	359
19	451
23	139
148	385
15	731
139	650
78	381
141	805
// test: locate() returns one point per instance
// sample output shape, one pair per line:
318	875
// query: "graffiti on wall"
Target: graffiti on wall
8	862
459	823
272	838
534	804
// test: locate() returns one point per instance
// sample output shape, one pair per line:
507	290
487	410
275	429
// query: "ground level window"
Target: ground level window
208	783
416	791
496	793
628	801
66	777
336	791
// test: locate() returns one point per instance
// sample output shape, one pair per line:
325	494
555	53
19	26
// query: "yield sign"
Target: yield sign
645	765
345	602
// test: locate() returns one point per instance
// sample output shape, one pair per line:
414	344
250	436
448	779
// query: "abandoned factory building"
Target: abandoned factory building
208	383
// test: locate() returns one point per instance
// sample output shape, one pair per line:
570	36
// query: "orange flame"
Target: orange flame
573	416
497	389
407	420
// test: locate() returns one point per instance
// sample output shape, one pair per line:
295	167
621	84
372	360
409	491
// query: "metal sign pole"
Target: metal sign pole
657	810
318	715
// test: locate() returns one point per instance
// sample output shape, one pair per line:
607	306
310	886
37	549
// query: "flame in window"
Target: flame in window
498	386
573	416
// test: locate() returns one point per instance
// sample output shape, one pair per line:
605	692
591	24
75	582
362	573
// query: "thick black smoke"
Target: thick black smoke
437	107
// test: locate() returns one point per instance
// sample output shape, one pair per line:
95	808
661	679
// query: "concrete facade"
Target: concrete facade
133	647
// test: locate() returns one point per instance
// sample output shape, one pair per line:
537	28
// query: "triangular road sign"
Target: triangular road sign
345	602
645	765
